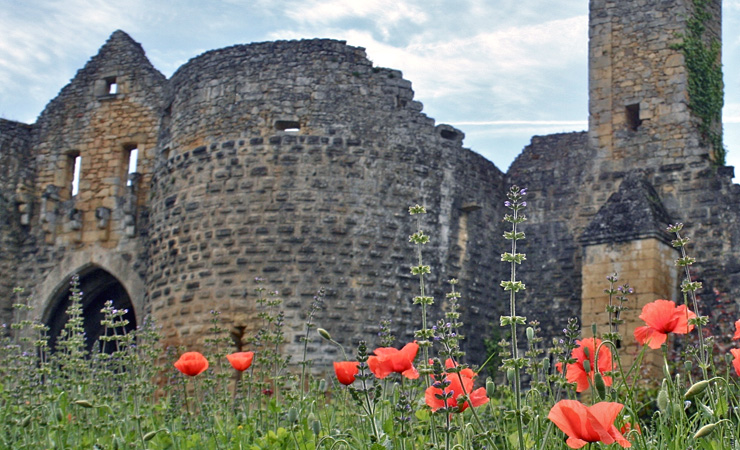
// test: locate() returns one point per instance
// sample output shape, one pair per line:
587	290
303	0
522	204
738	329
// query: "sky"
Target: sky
501	71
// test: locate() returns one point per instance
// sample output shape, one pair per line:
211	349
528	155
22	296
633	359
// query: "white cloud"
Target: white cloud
509	63
321	12
731	5
43	39
493	123
731	113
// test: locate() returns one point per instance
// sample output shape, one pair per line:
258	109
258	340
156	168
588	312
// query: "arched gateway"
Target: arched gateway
97	287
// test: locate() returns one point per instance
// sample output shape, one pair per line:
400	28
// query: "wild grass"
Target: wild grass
129	393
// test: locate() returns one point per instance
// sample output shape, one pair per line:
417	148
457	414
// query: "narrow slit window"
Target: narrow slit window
133	157
75	166
633	116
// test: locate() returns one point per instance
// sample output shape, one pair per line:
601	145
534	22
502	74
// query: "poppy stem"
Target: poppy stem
515	197
185	396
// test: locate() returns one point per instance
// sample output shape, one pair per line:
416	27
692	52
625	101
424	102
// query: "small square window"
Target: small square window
111	86
633	116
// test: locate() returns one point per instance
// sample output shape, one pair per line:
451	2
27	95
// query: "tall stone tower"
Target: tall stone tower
600	201
649	128
639	79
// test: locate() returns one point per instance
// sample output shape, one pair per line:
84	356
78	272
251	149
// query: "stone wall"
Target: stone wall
554	169
15	201
111	106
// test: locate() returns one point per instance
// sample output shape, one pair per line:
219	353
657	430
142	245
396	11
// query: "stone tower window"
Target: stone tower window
107	87
287	125
74	164
131	156
633	116
111	86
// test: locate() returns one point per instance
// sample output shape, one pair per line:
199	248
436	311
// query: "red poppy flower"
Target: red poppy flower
449	364
662	317
736	362
577	373
346	371
736	336
584	424
241	360
192	363
388	360
627	427
477	397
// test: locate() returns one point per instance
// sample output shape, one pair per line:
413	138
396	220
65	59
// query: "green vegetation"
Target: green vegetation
706	88
131	394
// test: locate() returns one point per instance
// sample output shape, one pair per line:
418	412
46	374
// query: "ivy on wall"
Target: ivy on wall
706	88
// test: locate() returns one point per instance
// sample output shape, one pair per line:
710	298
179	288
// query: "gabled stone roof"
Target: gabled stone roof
635	211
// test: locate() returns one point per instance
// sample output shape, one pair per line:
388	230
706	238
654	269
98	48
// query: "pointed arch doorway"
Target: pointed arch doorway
97	286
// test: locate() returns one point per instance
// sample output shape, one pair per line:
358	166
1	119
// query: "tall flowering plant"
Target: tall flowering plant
514	364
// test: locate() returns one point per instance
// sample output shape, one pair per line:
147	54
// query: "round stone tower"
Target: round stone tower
296	162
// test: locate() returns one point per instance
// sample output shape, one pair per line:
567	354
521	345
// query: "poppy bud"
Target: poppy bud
292	414
662	399
315	424
490	387
705	430
322	385
587	365
530	333
83	403
696	389
600	385
546	365
688	365
510	375
150	435
324	334
593	329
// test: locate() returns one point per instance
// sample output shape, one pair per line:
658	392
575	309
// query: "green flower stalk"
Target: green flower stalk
424	335
689	289
514	364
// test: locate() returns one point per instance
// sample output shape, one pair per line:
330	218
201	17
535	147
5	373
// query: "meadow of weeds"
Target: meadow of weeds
131	394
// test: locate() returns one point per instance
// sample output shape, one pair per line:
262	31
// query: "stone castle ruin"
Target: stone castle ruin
296	162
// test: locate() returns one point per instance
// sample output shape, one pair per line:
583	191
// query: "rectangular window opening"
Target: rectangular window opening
111	86
287	125
75	164
633	116
133	157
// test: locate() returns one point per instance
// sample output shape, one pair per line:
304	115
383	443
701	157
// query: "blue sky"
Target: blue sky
499	70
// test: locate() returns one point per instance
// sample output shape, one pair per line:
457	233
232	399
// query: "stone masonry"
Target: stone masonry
296	162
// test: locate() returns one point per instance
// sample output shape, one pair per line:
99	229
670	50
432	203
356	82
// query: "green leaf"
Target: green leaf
422	415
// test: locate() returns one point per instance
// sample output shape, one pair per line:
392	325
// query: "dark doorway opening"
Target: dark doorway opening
97	286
